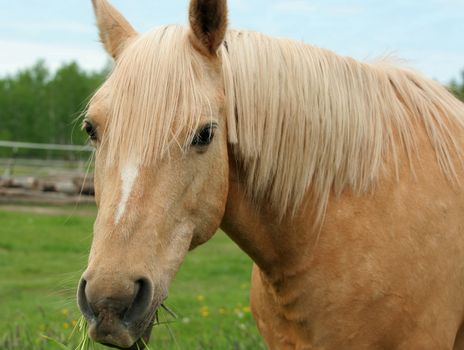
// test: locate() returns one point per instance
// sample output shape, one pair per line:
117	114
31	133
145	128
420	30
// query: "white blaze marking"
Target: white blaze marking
128	175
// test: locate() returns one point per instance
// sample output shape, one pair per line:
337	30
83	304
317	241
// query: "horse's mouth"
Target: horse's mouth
140	344
124	334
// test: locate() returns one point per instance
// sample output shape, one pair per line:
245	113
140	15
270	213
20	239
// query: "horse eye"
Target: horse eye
204	136
90	130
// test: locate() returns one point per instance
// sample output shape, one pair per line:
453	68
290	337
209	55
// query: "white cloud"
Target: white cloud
49	26
19	55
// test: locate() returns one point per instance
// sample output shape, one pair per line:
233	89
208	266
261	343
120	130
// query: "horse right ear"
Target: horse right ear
115	30
208	24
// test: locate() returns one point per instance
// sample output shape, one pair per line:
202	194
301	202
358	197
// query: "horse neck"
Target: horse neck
275	245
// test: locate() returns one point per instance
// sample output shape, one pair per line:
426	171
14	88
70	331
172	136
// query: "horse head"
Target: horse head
161	166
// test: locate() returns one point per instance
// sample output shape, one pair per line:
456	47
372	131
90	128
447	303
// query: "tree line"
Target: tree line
37	105
457	87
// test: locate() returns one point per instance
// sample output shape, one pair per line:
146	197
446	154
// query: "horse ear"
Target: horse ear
208	24
114	29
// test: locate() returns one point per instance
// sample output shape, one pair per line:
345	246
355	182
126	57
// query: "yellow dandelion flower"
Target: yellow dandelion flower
200	297
74	323
222	311
204	311
65	312
246	309
66	325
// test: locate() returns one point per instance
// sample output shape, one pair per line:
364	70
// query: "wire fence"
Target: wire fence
38	159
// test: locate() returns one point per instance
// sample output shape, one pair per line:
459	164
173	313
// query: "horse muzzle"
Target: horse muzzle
119	315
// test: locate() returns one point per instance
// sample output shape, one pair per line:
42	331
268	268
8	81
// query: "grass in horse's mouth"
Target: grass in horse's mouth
80	329
85	343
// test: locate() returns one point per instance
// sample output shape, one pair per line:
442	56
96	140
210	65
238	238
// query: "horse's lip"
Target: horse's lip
143	339
141	343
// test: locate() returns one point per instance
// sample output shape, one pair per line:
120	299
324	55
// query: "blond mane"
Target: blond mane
157	97
300	117
307	118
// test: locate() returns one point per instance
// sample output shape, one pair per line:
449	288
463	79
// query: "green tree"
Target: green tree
23	97
458	87
37	105
69	93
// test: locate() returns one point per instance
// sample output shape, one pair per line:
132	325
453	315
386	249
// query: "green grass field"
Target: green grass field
42	257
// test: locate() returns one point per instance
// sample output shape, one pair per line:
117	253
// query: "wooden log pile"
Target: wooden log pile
65	184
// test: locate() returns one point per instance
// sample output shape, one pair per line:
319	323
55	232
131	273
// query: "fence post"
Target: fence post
11	164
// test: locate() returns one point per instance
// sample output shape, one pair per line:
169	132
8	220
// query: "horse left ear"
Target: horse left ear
115	30
208	24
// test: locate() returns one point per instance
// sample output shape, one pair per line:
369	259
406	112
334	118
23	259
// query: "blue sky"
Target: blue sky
427	35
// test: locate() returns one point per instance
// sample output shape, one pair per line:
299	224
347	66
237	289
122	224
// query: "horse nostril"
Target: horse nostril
82	301
141	301
110	311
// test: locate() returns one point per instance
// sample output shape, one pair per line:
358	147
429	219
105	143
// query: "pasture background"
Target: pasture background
42	257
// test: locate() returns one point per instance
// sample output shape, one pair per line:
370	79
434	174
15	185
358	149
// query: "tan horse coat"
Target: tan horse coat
386	271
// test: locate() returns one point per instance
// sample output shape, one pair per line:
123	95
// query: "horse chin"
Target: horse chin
140	344
144	339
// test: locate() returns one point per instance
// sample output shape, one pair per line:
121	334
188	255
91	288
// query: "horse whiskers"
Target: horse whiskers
169	311
155	318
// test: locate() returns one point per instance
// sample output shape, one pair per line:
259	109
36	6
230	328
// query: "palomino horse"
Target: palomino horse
340	179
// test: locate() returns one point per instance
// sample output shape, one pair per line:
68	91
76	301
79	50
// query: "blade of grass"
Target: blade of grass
56	342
